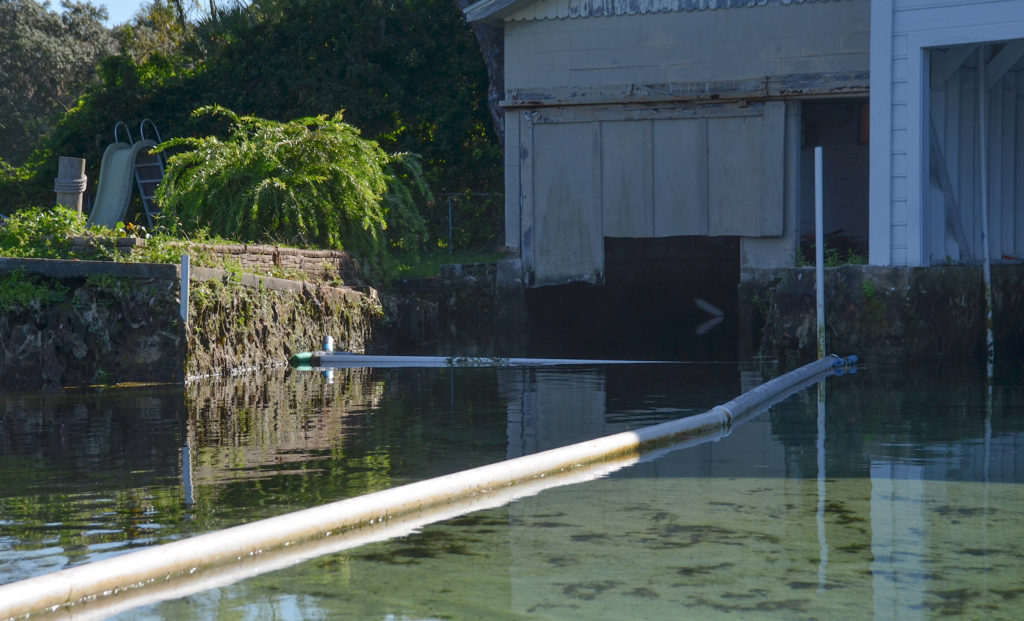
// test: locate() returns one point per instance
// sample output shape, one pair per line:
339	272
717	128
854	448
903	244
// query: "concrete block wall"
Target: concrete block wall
317	265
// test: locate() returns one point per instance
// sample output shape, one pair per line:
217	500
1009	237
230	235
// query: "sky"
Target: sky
120	10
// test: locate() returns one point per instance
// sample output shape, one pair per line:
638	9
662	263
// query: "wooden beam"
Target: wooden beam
941	172
1011	53
952	60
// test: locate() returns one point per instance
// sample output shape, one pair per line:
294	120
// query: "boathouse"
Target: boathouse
643	128
694	120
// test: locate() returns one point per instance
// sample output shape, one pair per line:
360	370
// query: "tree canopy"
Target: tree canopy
47	58
408	73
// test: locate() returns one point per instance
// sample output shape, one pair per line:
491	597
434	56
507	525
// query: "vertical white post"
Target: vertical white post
184	288
986	253
819	251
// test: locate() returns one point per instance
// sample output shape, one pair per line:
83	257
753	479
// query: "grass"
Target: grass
18	290
428	263
834	257
47	233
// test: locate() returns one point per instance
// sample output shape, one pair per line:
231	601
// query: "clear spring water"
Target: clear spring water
907	506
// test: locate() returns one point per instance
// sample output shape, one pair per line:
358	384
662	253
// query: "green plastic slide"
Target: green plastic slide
117	171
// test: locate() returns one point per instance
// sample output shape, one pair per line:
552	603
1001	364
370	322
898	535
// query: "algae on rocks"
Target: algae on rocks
71	323
100	330
884	314
233	327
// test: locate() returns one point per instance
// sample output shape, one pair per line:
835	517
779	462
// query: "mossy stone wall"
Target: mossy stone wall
114	323
884	314
234	326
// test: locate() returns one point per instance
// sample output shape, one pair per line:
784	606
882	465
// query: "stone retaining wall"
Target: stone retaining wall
120	322
239	322
115	322
316	265
464	304
883	314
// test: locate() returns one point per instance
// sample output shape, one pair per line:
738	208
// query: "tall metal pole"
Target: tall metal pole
819	250
183	289
986	254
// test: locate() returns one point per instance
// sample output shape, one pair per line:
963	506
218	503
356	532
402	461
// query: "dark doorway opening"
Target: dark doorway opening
840	127
671	298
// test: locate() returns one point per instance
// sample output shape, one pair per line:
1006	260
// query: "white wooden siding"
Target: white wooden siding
645	172
774	40
680	195
568	244
881	205
626	184
903	32
570	9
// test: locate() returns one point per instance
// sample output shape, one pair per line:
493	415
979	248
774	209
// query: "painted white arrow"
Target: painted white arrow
716	315
708	307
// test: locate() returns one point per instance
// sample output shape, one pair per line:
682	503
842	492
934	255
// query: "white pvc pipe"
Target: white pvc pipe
986	252
159	564
819	250
183	288
345	360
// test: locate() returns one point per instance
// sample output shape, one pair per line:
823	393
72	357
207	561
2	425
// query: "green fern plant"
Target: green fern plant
407	189
313	181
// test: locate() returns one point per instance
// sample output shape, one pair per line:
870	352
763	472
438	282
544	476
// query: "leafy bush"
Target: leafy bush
43	233
311	181
409	75
407	189
48	233
12	187
20	291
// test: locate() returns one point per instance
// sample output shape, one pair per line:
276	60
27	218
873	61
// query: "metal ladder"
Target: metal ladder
149	168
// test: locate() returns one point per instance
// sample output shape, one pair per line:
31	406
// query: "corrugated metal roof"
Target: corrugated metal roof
529	10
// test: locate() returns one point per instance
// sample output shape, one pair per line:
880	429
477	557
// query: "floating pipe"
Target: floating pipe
295	535
322	359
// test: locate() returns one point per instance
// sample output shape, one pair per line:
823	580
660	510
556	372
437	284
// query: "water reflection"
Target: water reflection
900	498
84	476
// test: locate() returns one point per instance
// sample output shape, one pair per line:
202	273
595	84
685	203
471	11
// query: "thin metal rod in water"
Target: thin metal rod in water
159	567
819	250
822	538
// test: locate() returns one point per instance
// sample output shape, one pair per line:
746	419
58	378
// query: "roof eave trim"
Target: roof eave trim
493	10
